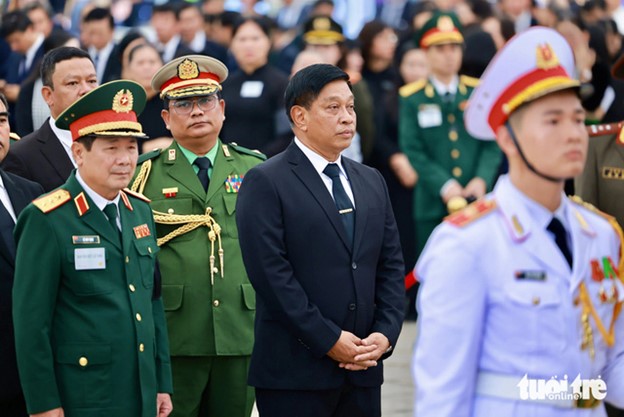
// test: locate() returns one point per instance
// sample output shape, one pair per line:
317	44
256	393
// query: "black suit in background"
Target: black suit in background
310	284
21	192
40	157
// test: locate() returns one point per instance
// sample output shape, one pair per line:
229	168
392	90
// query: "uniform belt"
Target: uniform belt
502	386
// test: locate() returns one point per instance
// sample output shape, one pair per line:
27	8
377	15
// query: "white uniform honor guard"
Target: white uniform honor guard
521	291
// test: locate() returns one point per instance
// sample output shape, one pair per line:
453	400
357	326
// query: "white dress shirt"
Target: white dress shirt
64	136
4	199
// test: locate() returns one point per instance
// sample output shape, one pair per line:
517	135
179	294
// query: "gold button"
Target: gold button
536	300
149	249
141	347
171	211
127	259
455	154
83	361
457	172
138	317
215	303
451	118
453	135
132	288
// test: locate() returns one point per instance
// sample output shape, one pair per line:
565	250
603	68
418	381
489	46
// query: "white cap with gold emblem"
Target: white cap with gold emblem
534	63
189	76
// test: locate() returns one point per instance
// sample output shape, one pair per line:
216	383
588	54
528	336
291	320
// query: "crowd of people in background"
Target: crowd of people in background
263	43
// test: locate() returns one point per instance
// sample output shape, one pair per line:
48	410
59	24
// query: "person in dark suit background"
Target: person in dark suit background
191	24
15	194
321	247
168	41
98	28
44	155
26	50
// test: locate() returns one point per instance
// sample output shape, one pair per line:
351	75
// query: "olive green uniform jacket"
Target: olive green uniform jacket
89	326
602	181
208	314
433	136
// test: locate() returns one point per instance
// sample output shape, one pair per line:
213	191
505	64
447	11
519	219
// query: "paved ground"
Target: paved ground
397	391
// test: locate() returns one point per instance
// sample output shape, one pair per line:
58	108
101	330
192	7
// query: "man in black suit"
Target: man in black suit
321	248
15	194
168	41
26	50
44	156
98	28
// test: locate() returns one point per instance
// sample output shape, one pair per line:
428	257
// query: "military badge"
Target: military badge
322	24
81	203
546	57
122	102
172	155
233	183
188	70
601	270
170	192
141	231
445	24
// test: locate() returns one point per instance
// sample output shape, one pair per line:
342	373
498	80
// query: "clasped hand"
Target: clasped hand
355	354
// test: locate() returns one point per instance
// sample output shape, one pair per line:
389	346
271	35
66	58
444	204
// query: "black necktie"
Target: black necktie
203	164
343	203
561	238
111	213
6	229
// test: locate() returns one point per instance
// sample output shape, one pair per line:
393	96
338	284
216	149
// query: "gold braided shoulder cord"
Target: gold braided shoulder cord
191	222
141	179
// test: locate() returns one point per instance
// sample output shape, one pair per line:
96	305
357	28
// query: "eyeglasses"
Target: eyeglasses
185	107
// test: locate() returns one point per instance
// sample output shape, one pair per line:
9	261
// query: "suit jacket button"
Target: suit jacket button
354	265
352	306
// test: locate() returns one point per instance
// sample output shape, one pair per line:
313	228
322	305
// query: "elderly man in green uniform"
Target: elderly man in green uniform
193	185
451	164
89	322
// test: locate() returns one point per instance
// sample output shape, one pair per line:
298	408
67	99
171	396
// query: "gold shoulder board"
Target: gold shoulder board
469	81
471	213
412	88
53	200
136	195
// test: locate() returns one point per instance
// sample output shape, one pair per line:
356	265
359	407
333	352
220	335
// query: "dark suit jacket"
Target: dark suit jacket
21	192
112	70
309	284
40	157
13	64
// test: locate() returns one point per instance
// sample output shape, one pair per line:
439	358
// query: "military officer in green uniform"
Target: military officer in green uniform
193	185
89	322
451	164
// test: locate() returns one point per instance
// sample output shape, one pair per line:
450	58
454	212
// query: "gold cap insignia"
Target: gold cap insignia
187	70
322	23
122	102
445	24
546	57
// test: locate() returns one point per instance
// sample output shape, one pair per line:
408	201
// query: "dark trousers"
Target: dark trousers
14	407
348	401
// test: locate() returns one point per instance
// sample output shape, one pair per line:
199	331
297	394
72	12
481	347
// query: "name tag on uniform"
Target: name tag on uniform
530	275
251	89
89	259
86	240
429	115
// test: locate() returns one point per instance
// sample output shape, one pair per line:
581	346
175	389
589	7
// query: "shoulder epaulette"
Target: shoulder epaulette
412	88
136	195
604	129
149	155
14	136
247	151
53	200
471	212
469	81
578	200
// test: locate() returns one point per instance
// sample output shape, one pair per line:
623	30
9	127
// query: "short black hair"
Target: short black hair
264	23
12	22
183	6
56	55
100	13
164	8
306	85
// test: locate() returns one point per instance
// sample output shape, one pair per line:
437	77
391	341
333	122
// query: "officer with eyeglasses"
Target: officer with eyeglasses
193	185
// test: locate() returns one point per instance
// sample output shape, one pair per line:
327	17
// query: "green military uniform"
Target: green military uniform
89	323
433	136
209	302
602	180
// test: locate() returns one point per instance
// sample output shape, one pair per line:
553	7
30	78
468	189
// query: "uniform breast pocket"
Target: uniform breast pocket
147	249
84	375
180	206
228	223
535	316
86	272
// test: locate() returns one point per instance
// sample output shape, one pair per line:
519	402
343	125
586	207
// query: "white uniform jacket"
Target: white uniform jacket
498	297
